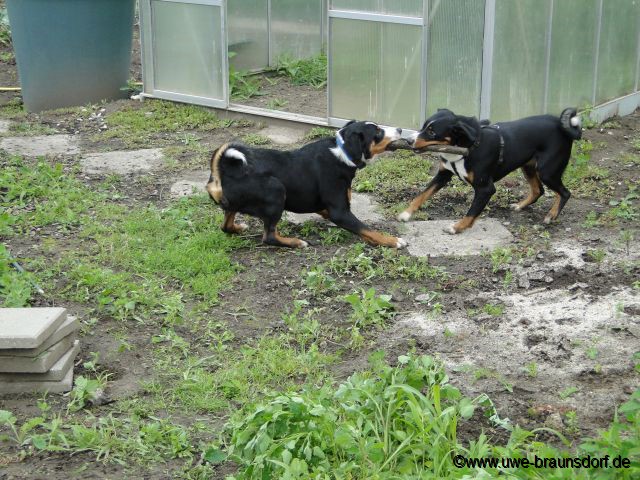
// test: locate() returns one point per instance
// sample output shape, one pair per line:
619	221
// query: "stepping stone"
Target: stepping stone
362	206
122	162
28	327
69	326
56	373
192	184
4	126
429	239
60	386
40	364
282	135
41	145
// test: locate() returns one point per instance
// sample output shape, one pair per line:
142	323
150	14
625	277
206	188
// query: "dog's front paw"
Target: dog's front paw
547	220
303	244
404	216
401	243
515	207
452	230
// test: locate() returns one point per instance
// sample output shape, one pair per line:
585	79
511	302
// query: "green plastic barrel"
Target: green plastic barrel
71	52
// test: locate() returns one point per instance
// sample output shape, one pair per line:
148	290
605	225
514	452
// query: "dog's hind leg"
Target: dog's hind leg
229	225
271	214
554	182
440	180
531	174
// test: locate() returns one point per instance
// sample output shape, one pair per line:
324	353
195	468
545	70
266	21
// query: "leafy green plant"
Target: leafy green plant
310	71
624	208
501	257
256	139
318	282
277	103
5	27
15	287
369	308
319	132
243	85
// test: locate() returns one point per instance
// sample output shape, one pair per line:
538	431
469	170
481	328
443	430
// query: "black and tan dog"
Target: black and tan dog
539	145
314	179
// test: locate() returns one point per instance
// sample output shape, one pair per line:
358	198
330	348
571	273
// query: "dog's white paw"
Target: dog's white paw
450	230
303	244
547	220
404	216
515	207
402	243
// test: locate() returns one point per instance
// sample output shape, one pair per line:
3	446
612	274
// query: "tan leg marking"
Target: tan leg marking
462	225
349	195
535	186
286	241
555	210
417	202
377	238
323	213
229	225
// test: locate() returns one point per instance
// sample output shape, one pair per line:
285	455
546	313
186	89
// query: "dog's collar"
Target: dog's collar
342	154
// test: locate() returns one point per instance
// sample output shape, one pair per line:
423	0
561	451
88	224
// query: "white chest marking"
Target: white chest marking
455	164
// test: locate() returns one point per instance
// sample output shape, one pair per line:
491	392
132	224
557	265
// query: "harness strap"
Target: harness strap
497	130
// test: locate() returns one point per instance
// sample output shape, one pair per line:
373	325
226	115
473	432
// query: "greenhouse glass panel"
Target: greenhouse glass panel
378	77
454	59
618	49
573	49
519	58
188	48
408	8
296	28
248	34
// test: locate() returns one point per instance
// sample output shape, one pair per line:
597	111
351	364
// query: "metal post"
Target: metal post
548	58
487	58
424	92
596	57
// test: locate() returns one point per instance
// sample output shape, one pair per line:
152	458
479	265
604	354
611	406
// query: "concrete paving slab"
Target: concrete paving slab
429	238
28	327
41	363
41	145
60	386
122	162
69	326
362	206
282	135
191	184
56	373
4	125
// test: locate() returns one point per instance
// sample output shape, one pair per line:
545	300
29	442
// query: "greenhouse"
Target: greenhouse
394	61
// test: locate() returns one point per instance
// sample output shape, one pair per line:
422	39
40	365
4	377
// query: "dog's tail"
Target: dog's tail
228	155
571	123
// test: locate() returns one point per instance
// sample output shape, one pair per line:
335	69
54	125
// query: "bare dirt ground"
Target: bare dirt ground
559	335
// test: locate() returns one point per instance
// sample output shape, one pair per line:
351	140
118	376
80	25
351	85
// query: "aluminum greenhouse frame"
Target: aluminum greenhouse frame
396	61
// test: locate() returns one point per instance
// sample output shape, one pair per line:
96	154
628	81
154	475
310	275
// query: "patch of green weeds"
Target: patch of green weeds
567	392
630	159
138	125
308	71
532	369
243	85
15	287
591	220
13	109
277	104
368	309
319	132
495	310
30	129
390	422
597	255
581	175
386	263
500	258
625	209
5	27
217	383
317	282
256	139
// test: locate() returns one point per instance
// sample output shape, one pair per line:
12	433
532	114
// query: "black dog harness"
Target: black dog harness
497	130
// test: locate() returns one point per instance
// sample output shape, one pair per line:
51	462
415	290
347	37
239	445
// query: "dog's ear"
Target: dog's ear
349	123
466	131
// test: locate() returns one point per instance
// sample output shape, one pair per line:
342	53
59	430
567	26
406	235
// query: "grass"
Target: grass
243	85
137	125
319	132
256	139
30	129
581	176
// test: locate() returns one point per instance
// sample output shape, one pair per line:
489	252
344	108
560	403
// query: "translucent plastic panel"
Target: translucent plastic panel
375	72
248	34
409	8
573	44
296	28
618	49
188	48
454	60
519	62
